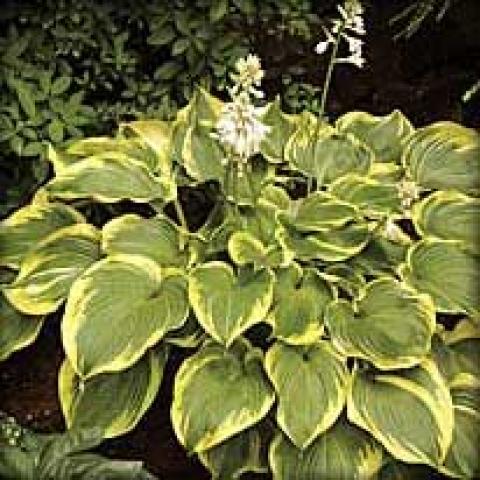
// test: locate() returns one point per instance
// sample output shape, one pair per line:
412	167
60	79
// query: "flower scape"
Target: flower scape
324	315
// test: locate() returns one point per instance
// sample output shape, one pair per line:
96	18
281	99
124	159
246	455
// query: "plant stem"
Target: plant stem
180	214
328	76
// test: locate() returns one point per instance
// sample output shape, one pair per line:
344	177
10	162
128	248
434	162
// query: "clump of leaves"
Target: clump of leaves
313	325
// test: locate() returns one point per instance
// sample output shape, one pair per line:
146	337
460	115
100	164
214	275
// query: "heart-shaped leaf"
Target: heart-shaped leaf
311	386
114	402
157	238
219	393
450	216
444	271
343	452
227	304
410	412
389	325
16	330
22	230
385	135
299	300
444	156
130	295
48	271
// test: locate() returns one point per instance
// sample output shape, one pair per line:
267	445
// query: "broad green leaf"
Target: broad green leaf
244	248
389	325
327	154
218	9
133	148
318	212
114	402
450	216
462	459
157	135
334	245
311	383
157	238
202	155
49	269
444	156
236	456
372	197
281	127
110	178
345	277
457	351
410	412
22	230
26	98
299	300
219	393
126	294
16	330
381	256
387	172
343	452
395	470
226	304
451	276
385	135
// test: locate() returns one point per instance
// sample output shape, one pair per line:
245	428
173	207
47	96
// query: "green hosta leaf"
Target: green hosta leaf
409	412
114	402
318	212
48	271
227	304
444	156
343	452
110	178
389	325
244	249
126	294
311	386
219	393
372	197
22	230
240	454
384	135
16	330
133	148
158	136
157	238
202	155
334	245
449	275
450	216
387	172
327	155
395	470
462	459
457	352
281	127
381	256
299	300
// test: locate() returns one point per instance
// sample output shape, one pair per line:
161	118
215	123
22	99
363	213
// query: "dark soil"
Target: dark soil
424	77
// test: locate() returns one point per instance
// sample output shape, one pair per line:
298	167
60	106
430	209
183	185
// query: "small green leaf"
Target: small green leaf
55	130
60	85
218	9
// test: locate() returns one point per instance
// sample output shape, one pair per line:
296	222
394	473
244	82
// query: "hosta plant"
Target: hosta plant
326	332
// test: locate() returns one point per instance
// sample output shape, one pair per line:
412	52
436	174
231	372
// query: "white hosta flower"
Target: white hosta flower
351	21
240	130
249	74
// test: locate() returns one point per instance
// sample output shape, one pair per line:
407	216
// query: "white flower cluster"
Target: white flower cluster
239	128
351	22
